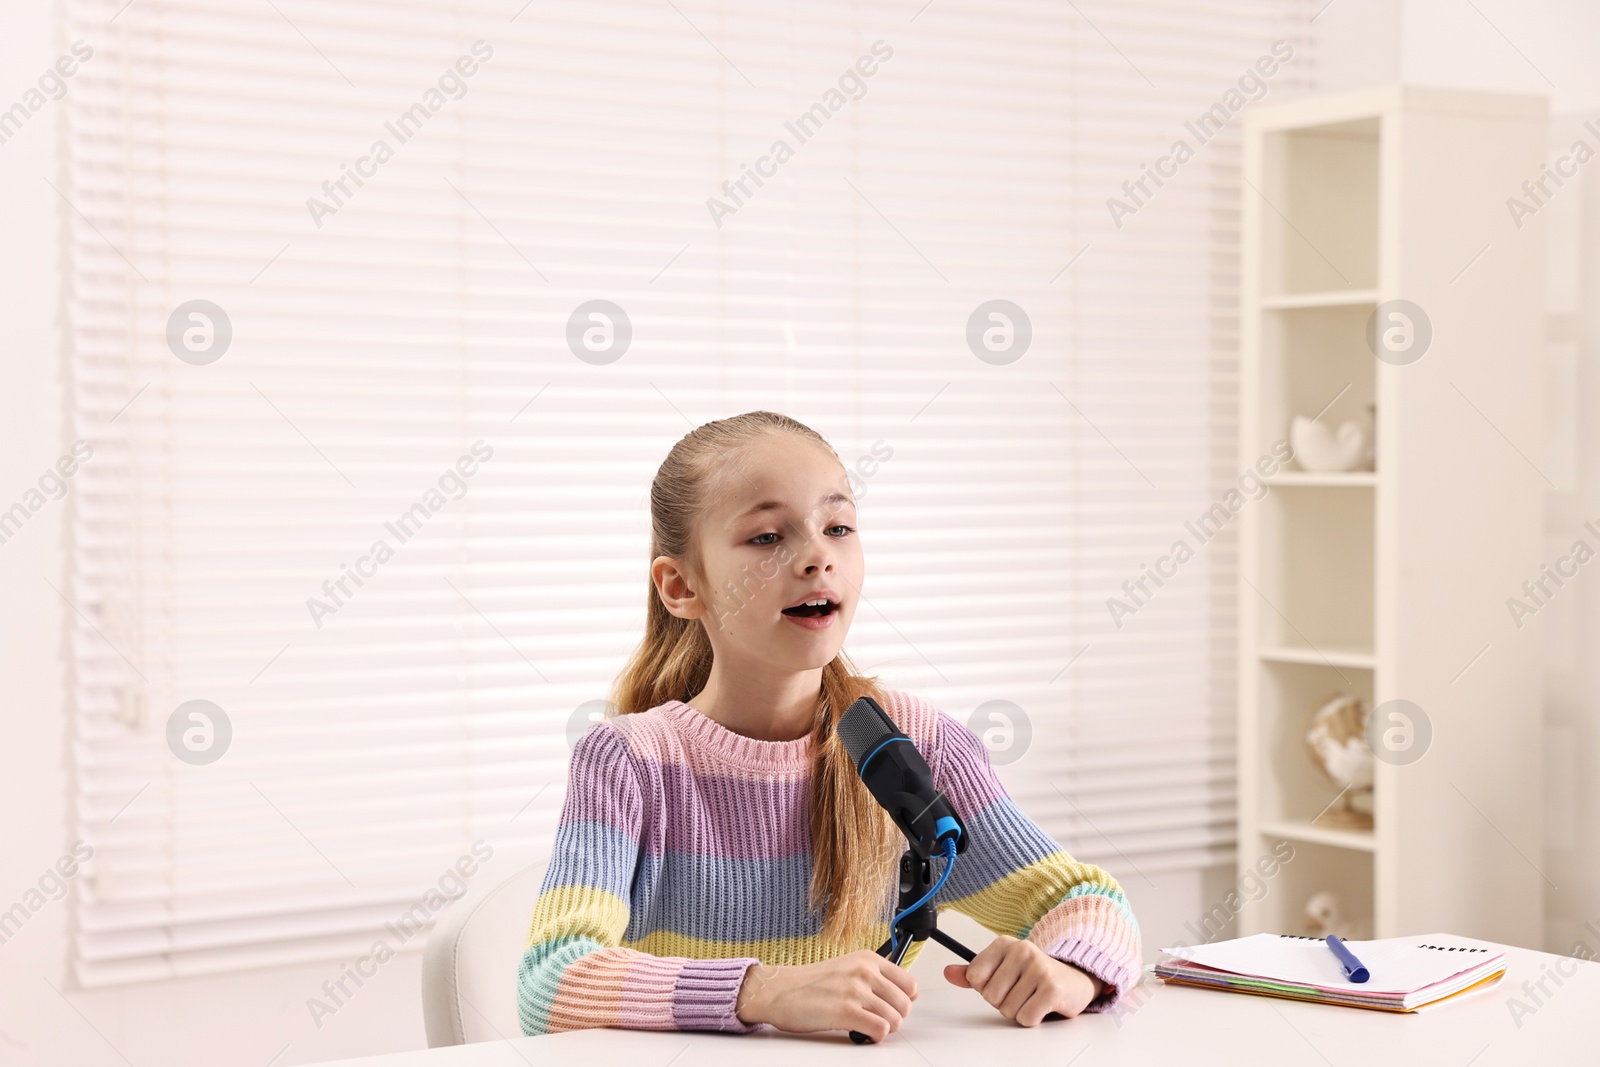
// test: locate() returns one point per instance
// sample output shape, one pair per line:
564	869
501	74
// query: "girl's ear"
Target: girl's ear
672	585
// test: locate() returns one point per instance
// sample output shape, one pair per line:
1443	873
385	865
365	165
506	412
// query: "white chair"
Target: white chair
469	964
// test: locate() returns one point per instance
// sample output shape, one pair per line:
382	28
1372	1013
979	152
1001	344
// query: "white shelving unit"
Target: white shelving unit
1388	583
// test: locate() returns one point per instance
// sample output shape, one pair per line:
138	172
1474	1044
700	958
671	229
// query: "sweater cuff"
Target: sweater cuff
706	996
1091	959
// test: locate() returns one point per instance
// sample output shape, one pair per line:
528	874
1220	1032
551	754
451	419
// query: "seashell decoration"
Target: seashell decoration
1320	447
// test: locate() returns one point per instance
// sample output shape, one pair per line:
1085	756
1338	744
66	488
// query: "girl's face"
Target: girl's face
782	533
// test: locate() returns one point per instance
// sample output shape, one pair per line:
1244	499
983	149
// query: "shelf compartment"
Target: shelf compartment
1320	220
1315	577
1314	362
1291	789
1314	867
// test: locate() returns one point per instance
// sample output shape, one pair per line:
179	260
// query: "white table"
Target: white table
1157	1023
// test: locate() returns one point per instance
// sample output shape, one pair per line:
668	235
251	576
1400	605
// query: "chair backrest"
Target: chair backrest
469	964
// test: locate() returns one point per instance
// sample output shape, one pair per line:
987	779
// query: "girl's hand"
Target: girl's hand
1023	983
859	990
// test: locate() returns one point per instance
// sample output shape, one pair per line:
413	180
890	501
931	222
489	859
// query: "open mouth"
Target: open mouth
812	611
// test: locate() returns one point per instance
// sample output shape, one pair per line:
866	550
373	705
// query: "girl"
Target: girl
718	864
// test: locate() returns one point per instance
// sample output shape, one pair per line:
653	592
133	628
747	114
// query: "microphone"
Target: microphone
892	768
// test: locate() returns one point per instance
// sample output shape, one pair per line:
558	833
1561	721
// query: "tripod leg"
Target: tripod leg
952	944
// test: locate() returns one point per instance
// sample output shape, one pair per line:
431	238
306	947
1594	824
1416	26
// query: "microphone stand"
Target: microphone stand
900	780
916	878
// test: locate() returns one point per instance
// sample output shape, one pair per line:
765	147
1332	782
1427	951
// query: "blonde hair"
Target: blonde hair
854	853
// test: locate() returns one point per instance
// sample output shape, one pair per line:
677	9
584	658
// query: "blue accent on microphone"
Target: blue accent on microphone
946	825
874	752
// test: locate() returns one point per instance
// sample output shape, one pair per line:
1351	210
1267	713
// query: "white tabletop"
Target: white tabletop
1156	1023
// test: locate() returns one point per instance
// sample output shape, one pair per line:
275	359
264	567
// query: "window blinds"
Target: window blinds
331	274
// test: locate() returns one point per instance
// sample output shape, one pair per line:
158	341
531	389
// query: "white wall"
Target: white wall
1522	46
1530	46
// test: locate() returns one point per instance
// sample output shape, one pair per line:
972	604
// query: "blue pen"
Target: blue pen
1352	967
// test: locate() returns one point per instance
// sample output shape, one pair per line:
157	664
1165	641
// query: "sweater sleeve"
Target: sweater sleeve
575	973
1015	879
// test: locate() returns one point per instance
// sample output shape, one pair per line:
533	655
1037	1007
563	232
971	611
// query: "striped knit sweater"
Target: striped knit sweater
683	855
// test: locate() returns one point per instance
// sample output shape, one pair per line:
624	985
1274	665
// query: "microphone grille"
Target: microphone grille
863	727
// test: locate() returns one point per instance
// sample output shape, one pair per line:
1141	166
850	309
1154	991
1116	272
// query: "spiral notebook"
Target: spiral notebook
1408	973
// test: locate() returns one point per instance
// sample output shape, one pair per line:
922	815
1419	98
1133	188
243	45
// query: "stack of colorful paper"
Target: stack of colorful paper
1407	973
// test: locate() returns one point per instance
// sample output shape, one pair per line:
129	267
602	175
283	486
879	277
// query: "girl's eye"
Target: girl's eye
756	540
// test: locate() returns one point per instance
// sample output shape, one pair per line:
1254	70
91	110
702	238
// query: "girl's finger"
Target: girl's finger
1004	977
1033	1012
899	976
877	1006
862	1019
1024	989
892	994
985	963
